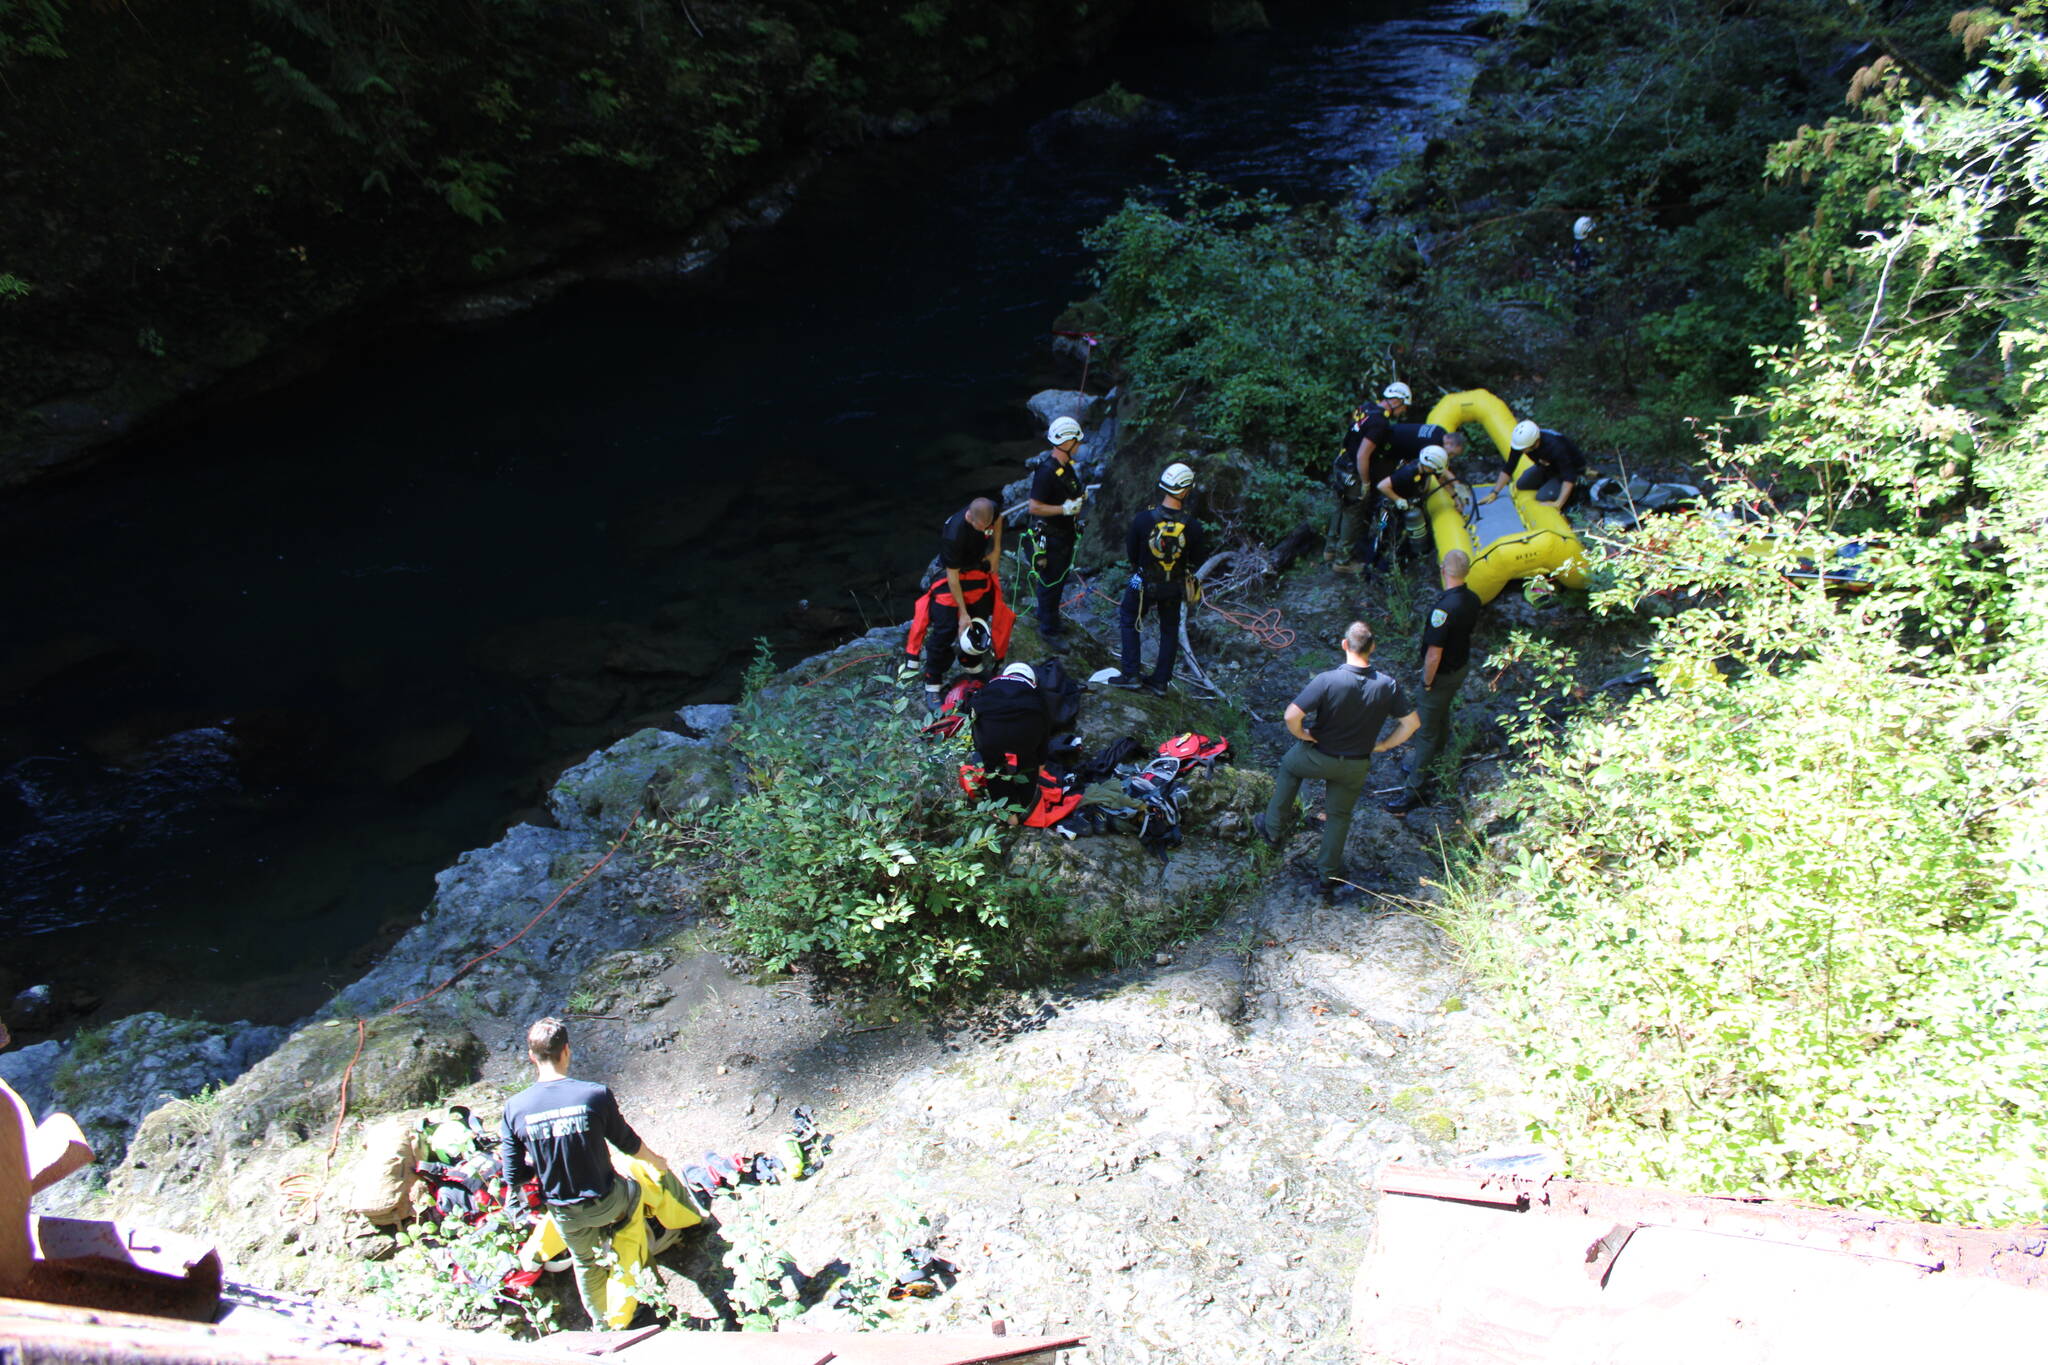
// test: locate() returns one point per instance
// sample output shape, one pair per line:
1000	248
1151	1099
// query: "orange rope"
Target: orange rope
362	1025
856	659
1267	627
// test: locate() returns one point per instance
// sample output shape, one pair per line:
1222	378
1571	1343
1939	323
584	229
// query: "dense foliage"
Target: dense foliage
854	849
1248	317
1784	925
1259	324
1780	923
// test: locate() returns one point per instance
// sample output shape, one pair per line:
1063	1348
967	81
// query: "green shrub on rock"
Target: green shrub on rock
852	846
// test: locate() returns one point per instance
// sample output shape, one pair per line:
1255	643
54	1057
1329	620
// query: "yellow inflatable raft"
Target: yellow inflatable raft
1510	537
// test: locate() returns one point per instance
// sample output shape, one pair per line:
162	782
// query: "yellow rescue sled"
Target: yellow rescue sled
1511	537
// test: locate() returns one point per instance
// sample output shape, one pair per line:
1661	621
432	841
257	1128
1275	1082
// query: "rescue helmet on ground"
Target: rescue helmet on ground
1582	229
1177	479
1062	430
1433	458
1525	434
1024	671
1398	391
976	640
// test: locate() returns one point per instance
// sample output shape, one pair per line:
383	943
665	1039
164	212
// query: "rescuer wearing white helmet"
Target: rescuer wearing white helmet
1446	650
1552	457
1582	245
1412	482
1165	546
1009	732
1364	461
1055	506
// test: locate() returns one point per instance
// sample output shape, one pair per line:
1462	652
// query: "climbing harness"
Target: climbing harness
1167	543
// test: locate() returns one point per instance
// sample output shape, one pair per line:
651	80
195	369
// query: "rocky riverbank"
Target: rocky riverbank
1171	1150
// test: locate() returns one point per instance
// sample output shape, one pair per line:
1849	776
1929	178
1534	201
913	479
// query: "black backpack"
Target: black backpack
1060	695
1009	718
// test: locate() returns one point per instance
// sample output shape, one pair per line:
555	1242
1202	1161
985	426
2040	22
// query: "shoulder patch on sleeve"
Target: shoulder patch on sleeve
1438	617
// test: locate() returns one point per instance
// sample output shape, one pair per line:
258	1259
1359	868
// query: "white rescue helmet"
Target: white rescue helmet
1024	671
1433	458
977	640
1582	229
1177	479
1525	435
1397	391
1062	430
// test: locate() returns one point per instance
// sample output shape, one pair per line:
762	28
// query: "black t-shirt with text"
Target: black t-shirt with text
1056	482
1407	439
558	1131
1449	626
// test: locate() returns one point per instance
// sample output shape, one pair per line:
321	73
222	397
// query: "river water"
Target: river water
268	675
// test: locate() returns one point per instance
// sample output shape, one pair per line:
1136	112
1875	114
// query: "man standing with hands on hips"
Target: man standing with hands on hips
1446	649
1336	724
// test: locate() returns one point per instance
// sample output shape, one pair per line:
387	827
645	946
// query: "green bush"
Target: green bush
853	847
1268	318
1781	926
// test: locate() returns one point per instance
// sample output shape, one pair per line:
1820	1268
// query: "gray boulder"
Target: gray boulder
32	1071
600	794
705	722
108	1079
1048	404
489	896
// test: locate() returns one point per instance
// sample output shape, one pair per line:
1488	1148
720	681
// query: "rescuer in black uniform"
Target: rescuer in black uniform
971	541
1165	546
1446	650
1055	505
1367	457
1553	458
1410	484
1009	732
555	1131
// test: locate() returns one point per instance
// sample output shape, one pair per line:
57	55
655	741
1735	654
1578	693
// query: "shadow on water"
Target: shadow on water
268	674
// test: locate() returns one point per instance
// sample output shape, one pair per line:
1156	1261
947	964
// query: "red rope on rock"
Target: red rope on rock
362	1024
1268	627
856	659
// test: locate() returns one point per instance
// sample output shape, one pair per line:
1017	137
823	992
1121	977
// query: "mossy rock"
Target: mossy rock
627	982
1124	900
1436	1126
1115	107
654	770
699	779
405	1062
1221	803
